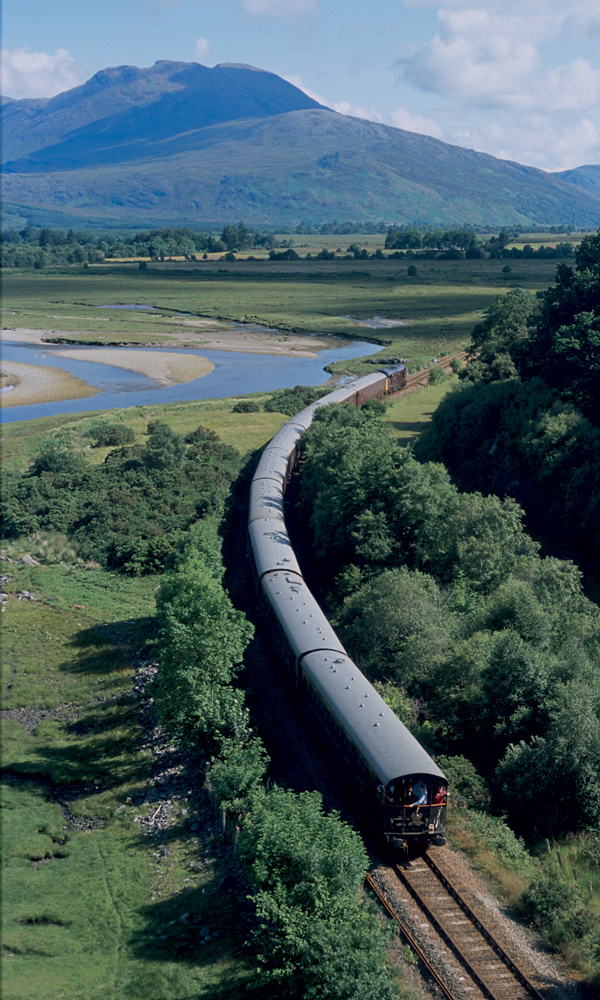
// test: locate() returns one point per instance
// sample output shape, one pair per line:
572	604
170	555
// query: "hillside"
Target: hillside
587	177
183	142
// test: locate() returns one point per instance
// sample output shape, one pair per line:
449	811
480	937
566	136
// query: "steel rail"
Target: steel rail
415	946
443	933
483	930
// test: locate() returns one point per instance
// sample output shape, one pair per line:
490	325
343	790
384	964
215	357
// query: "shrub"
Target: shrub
236	775
555	905
109	435
437	375
246	406
465	785
374	406
497	836
291	401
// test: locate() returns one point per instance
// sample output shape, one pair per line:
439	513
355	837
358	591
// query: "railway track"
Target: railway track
461	954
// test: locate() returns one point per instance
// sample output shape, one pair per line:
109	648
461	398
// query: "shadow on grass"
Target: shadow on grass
99	749
207	926
108	647
409	426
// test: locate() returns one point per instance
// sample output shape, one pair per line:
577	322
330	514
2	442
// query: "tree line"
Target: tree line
456	244
526	420
41	247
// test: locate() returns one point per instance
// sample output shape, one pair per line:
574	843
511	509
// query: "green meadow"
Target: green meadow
93	904
436	308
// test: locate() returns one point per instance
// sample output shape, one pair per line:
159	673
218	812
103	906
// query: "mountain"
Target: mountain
182	142
587	177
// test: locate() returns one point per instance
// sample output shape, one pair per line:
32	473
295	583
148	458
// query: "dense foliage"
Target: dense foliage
527	419
129	512
445	594
291	401
314	938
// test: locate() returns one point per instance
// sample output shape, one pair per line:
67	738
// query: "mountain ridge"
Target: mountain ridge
180	140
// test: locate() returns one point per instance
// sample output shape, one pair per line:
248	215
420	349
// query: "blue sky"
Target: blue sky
519	79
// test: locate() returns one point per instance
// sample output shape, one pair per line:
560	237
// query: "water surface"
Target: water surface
234	374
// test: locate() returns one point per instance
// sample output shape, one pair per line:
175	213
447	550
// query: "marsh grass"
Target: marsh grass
439	304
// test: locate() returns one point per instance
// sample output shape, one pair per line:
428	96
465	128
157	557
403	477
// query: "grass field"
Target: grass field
245	431
93	905
437	308
409	415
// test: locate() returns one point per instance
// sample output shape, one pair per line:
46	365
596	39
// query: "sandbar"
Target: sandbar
245	339
165	368
24	385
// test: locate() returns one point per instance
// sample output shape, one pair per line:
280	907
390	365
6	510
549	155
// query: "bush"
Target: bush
497	836
236	775
411	271
466	787
291	401
437	375
130	511
374	406
555	905
246	406
109	435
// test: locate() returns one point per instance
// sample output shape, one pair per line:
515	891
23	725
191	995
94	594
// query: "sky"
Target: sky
519	79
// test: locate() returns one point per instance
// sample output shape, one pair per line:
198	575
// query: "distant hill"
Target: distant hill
181	142
587	178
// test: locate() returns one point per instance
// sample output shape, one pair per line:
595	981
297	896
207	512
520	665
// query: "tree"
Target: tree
397	621
164	449
554	781
484	536
564	349
506	326
203	638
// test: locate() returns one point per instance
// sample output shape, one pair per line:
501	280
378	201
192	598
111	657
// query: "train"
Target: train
401	790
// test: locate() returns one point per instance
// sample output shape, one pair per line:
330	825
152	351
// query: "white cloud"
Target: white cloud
356	111
296	81
279	8
38	74
201	47
491	59
536	140
403	118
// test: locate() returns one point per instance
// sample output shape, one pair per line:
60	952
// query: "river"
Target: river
234	374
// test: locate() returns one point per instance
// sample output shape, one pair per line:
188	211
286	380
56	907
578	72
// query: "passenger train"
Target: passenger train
401	789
